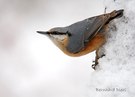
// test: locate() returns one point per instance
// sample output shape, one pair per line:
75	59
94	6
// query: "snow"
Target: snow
117	69
32	66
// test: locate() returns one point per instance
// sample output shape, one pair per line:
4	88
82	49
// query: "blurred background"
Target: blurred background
30	64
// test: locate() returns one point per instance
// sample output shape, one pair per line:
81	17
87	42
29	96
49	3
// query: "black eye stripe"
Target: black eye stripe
60	33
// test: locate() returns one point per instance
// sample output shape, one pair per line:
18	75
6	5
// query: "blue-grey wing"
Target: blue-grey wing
84	31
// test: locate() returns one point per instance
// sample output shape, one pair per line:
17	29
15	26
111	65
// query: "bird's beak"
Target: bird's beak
43	32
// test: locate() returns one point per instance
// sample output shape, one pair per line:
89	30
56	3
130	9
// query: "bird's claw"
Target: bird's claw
93	66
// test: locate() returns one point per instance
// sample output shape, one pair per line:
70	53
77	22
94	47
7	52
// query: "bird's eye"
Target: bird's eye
61	33
58	33
68	33
55	33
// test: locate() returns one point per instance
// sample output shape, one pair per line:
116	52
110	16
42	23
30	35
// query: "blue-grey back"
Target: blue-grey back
82	32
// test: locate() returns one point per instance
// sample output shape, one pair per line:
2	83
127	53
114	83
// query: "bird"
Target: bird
84	36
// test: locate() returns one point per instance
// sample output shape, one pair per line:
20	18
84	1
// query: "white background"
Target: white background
30	64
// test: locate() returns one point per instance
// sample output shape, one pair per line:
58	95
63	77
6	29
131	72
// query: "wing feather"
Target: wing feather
84	31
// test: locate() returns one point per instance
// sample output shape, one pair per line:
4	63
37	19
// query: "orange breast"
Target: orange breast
92	45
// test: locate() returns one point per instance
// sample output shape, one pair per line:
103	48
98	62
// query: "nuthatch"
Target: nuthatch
84	36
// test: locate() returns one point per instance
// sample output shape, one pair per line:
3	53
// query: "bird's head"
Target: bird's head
58	35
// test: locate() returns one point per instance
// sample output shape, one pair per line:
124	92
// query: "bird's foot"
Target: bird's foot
94	66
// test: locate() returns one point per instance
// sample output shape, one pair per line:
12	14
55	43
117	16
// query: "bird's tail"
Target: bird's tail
116	14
